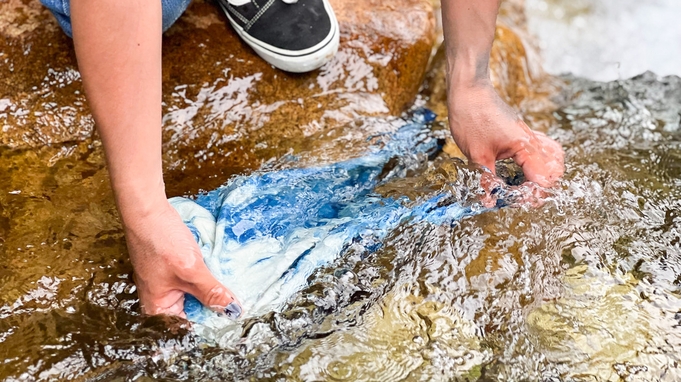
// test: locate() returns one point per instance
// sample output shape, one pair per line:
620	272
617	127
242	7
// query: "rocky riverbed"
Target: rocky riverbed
584	288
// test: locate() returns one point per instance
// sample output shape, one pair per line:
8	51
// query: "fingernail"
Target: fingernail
233	311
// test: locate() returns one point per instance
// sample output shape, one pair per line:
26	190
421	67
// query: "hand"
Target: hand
486	129
122	78
167	264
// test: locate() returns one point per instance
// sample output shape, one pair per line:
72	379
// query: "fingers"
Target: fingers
198	282
168	264
543	162
488	161
491	184
153	303
212	294
176	307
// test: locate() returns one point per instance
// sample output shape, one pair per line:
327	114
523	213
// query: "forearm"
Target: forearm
469	27
484	127
118	45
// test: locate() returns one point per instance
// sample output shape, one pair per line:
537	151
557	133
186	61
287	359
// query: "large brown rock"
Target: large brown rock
67	304
224	107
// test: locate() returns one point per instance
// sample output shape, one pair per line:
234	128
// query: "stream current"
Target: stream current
585	287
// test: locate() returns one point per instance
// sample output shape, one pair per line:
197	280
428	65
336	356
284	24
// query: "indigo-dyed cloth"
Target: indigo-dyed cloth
61	9
263	235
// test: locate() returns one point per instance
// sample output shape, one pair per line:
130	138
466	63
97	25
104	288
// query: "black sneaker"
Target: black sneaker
295	36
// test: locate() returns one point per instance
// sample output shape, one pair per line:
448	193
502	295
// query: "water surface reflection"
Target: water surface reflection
585	287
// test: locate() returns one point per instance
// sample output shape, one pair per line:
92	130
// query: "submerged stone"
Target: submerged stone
609	328
225	109
403	337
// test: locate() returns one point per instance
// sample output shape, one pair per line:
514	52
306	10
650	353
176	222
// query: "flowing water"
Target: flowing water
585	287
606	40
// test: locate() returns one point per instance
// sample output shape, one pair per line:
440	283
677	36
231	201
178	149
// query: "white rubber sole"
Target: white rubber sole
294	61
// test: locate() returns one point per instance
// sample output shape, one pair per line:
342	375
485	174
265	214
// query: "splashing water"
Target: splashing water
585	287
263	235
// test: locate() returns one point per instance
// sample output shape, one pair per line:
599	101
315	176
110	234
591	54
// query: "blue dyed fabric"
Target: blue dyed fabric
263	235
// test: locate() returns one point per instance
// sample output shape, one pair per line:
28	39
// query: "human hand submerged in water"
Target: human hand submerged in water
167	264
122	77
484	127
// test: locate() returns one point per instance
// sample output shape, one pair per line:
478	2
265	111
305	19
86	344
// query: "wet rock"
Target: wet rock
609	328
224	108
404	337
63	261
41	98
237	110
